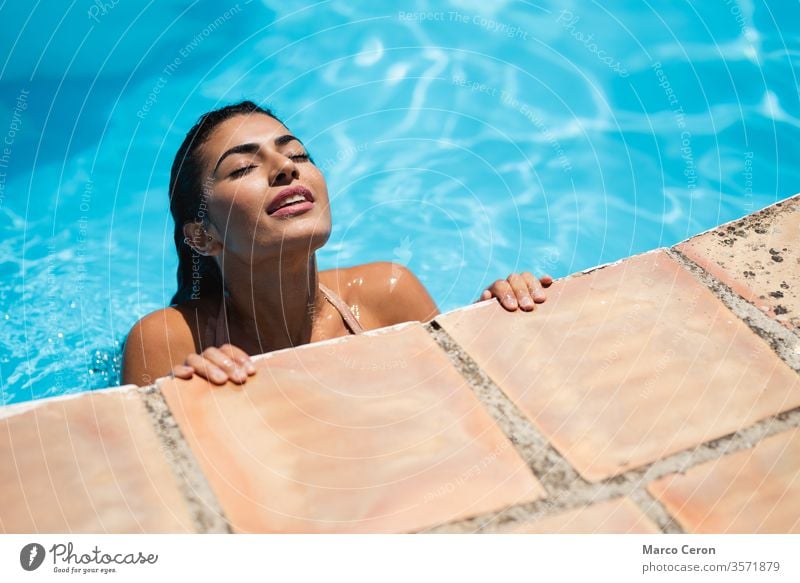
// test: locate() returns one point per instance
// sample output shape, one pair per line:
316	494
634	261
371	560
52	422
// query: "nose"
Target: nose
284	170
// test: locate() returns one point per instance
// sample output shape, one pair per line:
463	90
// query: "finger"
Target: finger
503	291
481	298
487	294
521	291
181	371
207	369
545	280
223	360
535	287
240	357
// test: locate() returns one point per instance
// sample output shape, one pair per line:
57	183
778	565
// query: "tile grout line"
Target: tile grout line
781	340
203	505
524	436
633	483
565	488
578	492
655	511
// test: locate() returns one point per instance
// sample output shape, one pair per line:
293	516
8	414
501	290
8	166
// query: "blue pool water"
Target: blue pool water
464	141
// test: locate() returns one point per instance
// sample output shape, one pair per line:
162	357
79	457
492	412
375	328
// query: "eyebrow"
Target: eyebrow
252	148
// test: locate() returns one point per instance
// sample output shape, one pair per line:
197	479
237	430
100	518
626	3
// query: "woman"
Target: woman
250	211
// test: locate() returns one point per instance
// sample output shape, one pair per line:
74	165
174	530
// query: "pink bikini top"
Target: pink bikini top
217	334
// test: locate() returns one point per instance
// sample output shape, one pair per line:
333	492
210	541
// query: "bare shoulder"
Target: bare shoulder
389	291
161	340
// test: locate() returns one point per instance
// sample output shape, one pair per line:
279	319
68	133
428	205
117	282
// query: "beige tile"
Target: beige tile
758	257
627	364
374	433
752	491
86	464
616	516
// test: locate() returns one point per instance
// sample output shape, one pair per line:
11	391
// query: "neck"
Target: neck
274	303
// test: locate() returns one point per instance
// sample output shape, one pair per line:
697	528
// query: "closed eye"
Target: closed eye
299	157
241	171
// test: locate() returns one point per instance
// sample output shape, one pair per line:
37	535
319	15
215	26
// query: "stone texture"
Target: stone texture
86	464
758	257
616	516
627	364
369	433
751	491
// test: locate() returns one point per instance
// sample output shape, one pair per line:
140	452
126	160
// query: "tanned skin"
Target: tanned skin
270	268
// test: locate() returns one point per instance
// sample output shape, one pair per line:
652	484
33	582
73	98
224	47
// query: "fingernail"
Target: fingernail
526	302
219	377
239	375
511	301
250	367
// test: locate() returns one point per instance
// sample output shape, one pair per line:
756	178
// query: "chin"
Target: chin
307	236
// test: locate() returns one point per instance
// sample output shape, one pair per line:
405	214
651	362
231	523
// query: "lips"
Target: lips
286	193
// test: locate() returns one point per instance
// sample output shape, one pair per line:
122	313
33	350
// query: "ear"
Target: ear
199	239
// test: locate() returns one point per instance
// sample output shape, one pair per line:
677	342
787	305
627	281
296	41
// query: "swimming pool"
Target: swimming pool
465	142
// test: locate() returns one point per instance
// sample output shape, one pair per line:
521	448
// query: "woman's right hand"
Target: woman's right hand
218	365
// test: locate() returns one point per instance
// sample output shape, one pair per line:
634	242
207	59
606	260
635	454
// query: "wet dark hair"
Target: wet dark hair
198	275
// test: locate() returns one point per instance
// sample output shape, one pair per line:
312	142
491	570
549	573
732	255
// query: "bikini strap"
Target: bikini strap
349	319
220	325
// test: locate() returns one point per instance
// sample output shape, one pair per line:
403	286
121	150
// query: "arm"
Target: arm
162	343
398	295
154	345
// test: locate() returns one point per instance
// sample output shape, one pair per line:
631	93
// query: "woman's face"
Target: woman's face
249	162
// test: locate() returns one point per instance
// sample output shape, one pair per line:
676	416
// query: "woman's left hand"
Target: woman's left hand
518	290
